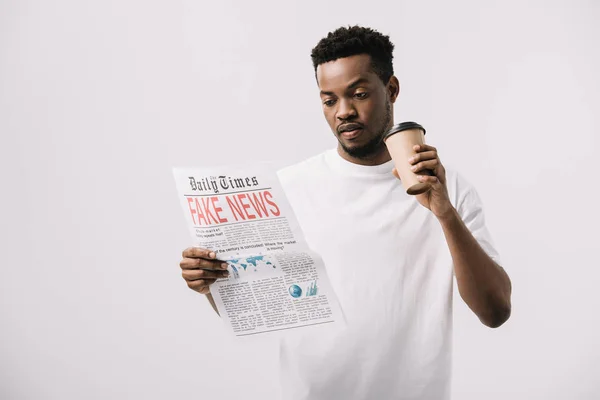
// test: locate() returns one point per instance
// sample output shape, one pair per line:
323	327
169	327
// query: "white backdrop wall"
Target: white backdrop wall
98	100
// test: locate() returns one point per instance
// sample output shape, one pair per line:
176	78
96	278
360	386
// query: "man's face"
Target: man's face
356	104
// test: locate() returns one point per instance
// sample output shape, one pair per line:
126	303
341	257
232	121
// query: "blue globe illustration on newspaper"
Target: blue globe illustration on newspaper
295	291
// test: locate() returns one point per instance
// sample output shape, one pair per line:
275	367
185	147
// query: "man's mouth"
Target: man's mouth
350	131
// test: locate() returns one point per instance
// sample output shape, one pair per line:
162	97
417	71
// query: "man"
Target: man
390	257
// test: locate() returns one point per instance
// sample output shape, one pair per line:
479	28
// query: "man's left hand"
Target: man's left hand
436	199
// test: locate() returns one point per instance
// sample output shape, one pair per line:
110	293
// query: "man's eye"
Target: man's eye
329	103
361	95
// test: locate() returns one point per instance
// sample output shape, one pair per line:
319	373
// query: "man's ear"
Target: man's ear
393	88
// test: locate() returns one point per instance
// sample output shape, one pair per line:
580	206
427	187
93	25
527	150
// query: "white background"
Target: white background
99	99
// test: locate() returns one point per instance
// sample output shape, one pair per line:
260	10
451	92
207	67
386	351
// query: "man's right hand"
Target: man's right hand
200	269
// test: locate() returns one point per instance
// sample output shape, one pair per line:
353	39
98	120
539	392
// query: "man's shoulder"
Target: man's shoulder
459	186
310	167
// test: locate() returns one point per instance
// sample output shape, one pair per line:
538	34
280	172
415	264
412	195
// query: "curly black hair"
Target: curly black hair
353	40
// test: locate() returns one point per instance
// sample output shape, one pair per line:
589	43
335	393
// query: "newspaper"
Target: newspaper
275	281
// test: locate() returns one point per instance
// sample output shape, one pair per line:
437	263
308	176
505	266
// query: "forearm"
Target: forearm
483	285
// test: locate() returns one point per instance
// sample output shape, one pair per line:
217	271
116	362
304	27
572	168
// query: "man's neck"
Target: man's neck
378	158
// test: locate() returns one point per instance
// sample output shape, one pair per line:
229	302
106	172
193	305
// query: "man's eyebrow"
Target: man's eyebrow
352	85
357	82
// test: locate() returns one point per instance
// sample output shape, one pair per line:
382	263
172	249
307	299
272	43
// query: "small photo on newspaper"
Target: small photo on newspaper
275	281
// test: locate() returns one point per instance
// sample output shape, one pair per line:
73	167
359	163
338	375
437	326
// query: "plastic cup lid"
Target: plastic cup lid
403	126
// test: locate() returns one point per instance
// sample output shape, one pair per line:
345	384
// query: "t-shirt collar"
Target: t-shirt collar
342	165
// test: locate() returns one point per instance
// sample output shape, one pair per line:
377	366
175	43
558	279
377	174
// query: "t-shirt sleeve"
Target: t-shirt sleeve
470	208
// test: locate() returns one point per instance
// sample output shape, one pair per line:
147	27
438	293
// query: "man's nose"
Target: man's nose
346	110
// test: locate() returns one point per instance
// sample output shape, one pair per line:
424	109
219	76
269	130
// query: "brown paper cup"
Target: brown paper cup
400	141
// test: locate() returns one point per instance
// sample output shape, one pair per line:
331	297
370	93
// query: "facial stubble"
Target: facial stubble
373	146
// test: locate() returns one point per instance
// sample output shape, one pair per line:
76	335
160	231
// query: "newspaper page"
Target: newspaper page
275	281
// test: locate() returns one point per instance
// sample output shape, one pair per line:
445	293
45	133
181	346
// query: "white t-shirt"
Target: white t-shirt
391	269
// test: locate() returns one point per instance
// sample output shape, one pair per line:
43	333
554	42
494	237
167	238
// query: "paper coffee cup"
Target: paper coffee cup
400	141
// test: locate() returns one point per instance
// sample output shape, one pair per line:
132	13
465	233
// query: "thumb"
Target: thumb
395	172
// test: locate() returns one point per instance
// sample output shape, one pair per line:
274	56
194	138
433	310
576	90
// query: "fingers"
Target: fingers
197	252
426	165
200	280
200	274
198	258
433	180
427	160
200	263
424	170
423	147
200	269
424	156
